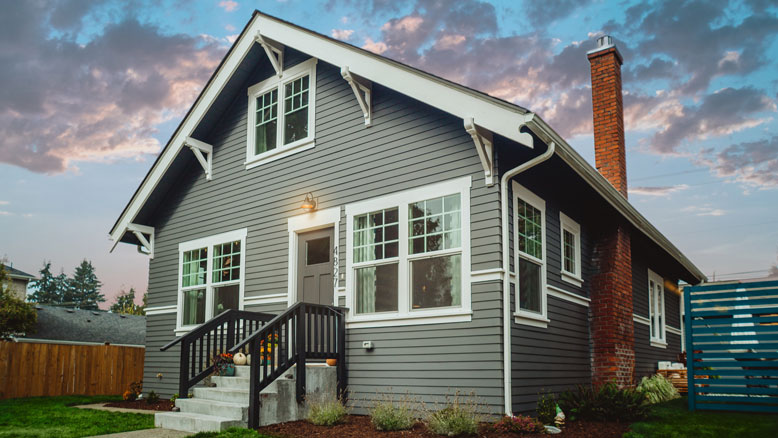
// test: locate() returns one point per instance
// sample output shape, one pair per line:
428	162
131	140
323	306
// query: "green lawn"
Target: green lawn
231	433
53	417
673	420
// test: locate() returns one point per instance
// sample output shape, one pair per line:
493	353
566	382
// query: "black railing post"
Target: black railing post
230	334
301	347
254	403
341	349
183	378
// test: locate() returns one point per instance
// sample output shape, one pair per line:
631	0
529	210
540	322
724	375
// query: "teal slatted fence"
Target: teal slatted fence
732	346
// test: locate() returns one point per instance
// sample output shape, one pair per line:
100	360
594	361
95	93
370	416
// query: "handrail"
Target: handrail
217	335
303	330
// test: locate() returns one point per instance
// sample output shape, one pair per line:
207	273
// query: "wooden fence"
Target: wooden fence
732	346
32	369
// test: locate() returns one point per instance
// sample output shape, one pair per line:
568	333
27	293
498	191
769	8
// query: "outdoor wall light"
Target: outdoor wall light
309	203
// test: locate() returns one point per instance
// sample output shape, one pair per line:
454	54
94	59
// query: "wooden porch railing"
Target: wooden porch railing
218	335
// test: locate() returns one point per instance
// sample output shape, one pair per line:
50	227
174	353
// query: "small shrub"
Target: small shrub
134	390
388	414
326	411
519	424
605	403
658	389
152	398
174	398
460	416
546	408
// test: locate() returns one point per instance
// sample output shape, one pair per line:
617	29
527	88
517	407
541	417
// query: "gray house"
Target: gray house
465	243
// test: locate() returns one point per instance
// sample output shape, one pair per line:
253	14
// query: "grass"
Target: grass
54	416
673	420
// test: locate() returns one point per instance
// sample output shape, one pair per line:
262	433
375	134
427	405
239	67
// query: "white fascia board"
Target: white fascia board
504	119
609	193
200	108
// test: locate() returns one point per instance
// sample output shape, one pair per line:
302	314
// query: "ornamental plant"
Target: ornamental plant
326	410
607	402
658	389
459	416
389	414
546	408
221	362
519	424
133	391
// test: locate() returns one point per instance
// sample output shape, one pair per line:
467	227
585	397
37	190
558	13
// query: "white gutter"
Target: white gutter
506	284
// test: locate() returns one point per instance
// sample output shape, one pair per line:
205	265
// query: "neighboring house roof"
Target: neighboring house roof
17	274
488	112
64	324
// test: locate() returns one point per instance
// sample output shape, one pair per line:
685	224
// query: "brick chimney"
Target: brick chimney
612	327
609	151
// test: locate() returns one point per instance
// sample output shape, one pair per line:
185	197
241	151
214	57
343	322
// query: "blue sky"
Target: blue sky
91	91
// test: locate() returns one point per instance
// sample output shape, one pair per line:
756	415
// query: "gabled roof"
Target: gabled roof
17	274
488	112
73	325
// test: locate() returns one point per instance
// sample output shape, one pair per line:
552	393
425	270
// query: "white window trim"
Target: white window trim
209	242
317	220
304	68
404	314
660	341
526	317
572	227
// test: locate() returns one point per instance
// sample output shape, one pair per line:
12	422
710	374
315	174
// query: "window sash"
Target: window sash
529	222
656	308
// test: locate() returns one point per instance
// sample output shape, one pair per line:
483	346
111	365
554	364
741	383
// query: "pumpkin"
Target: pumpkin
239	359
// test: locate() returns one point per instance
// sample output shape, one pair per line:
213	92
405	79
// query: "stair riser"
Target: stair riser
206	407
227	396
188	424
231	382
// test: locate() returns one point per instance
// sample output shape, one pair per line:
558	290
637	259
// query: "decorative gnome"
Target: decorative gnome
559	420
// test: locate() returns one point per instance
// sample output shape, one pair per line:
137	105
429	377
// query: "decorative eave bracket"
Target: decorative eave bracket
199	148
362	90
483	144
275	52
146	243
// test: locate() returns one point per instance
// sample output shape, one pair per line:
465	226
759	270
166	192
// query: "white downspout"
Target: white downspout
506	264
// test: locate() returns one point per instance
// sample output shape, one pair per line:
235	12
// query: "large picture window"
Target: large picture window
280	118
656	308
408	254
530	255
211	277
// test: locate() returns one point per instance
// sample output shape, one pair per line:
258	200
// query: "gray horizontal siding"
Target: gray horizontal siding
160	331
409	145
552	359
646	356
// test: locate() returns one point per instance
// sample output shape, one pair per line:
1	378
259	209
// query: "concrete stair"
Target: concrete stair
218	408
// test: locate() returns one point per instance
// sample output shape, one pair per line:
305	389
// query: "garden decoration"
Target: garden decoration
222	365
239	359
559	420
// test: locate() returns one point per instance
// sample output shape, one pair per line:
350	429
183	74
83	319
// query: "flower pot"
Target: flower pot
228	371
332	362
239	359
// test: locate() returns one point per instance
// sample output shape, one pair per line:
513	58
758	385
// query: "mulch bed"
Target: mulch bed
162	405
358	426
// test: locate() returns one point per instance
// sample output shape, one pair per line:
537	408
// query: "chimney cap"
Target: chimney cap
605	42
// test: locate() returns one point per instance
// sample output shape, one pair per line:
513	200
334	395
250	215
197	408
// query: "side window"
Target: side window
656	308
570	234
530	242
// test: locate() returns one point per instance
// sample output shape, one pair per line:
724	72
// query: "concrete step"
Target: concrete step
231	395
234	411
231	382
242	371
191	422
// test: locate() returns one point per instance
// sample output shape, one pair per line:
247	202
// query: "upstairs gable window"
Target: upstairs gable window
280	117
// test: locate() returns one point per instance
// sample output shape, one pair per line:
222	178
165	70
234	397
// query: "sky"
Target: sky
90	92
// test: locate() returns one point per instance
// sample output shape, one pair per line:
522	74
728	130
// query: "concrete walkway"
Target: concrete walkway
102	407
147	433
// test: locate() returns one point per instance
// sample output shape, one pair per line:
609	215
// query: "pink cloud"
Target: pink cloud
228	5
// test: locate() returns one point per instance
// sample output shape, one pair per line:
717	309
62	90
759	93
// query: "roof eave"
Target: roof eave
610	194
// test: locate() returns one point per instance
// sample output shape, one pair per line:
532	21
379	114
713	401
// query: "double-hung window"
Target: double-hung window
281	114
656	309
210	277
409	256
530	256
570	236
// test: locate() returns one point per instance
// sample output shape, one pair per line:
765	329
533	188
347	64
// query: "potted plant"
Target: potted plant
222	365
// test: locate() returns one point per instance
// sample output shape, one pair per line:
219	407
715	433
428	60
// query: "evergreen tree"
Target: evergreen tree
125	304
84	288
49	289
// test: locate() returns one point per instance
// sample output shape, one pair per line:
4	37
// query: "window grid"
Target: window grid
296	95
383	227
530	230
434	224
267	110
226	262
195	267
569	252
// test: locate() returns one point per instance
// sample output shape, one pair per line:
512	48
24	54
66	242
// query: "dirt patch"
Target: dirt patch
162	405
357	426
